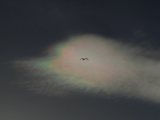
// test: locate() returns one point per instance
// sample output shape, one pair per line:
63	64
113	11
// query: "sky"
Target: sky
43	78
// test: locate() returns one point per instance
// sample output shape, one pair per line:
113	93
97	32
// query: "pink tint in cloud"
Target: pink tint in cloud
112	67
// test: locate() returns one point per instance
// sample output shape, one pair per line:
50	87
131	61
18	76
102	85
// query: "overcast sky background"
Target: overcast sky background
27	28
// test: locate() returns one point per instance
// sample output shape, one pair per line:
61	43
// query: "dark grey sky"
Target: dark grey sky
29	27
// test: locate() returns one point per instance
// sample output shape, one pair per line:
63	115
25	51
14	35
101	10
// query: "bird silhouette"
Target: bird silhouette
84	59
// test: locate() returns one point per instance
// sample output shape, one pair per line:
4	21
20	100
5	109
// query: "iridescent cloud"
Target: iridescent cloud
112	68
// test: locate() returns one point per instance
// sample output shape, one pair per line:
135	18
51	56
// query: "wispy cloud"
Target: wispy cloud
112	68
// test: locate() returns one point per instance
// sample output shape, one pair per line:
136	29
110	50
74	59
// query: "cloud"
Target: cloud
113	68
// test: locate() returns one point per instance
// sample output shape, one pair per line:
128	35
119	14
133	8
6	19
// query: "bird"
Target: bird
84	59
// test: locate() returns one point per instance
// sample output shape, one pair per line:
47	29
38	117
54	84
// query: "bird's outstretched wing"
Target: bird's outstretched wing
84	59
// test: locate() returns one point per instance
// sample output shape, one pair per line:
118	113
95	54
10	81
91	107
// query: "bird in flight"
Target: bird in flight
84	59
